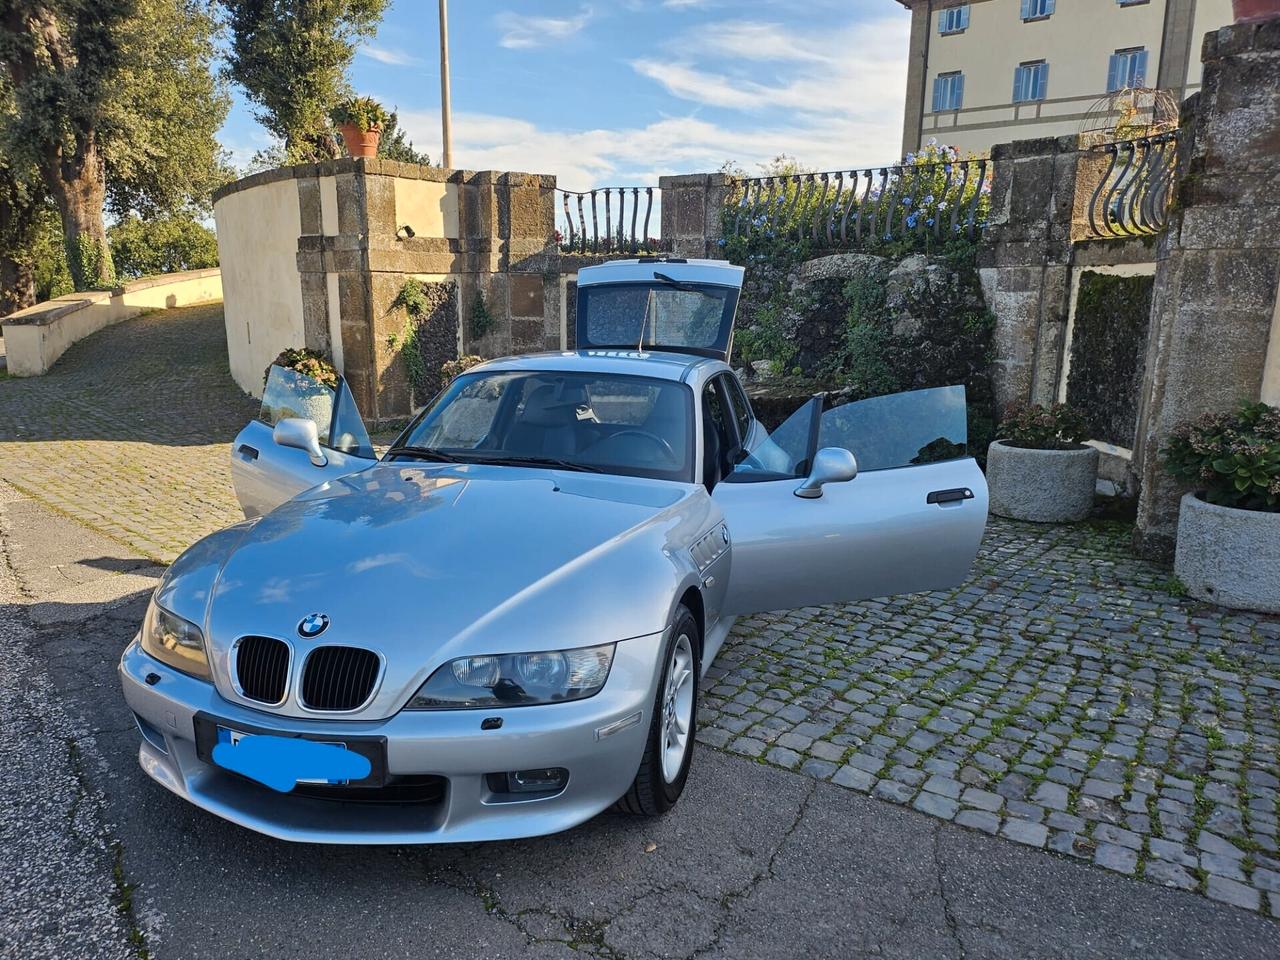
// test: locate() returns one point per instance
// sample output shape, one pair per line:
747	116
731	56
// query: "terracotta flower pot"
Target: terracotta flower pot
1255	9
360	143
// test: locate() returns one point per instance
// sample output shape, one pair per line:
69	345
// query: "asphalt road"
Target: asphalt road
97	861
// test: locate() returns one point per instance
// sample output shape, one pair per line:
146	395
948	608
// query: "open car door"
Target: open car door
911	519
269	460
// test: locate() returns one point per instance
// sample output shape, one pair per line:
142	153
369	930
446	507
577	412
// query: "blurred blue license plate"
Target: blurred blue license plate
233	737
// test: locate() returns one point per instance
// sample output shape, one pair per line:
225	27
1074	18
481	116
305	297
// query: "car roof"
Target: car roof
642	269
659	364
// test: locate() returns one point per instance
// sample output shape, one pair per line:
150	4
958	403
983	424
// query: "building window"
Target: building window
953	19
948	91
1132	3
1030	81
1128	68
1037	9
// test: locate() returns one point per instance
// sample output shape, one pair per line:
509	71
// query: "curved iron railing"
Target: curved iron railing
846	208
1133	195
620	218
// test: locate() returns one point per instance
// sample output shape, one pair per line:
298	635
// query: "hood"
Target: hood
422	563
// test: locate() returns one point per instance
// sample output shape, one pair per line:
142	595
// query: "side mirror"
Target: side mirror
830	465
302	435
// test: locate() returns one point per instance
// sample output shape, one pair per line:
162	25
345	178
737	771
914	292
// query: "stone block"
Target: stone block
527	295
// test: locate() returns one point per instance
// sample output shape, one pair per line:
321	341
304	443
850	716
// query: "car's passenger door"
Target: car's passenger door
910	520
266	473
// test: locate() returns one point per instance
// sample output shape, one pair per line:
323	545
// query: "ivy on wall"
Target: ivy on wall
1108	353
430	336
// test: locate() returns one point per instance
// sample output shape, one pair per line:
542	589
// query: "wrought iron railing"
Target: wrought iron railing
1136	187
608	220
847	208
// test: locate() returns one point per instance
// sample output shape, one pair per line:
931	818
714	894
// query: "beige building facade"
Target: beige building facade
994	71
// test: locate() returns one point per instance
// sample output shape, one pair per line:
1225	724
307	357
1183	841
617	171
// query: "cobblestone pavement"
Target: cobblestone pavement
130	431
1062	698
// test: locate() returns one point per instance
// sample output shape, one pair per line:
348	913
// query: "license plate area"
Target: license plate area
212	730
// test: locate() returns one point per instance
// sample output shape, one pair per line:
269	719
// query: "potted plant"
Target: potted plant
314	392
360	121
1039	469
1228	548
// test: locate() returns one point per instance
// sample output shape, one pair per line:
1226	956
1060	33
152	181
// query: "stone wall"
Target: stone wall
1215	316
485	234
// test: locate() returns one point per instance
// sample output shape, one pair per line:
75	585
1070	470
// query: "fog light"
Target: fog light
545	780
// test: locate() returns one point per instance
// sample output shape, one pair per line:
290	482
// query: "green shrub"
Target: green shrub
1036	427
1232	458
309	363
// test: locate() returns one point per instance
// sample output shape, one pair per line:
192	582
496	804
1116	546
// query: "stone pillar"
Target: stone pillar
1024	263
692	211
917	80
1218	266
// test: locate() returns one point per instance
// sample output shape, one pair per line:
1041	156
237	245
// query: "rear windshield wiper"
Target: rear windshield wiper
552	462
678	284
424	453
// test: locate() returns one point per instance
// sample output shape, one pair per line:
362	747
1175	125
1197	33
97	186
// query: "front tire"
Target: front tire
668	751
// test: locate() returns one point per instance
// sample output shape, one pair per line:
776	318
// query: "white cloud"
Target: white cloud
393	58
520	31
685	4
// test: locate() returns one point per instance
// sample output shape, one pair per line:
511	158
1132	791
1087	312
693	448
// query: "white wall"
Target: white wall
258	231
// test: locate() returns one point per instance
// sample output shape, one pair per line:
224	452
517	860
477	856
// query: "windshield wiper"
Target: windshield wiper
678	284
424	453
552	462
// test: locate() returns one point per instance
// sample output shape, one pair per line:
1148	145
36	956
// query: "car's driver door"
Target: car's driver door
910	520
267	472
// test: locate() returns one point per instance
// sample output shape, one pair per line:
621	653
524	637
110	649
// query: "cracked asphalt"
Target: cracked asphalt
755	862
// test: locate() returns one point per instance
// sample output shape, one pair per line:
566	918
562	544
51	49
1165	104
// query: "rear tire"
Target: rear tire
668	750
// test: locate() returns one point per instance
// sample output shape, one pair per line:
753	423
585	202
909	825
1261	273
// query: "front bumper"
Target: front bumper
449	744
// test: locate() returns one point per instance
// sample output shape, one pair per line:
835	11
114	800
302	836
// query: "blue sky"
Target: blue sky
604	94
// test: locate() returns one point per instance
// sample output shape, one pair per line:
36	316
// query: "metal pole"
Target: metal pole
446	159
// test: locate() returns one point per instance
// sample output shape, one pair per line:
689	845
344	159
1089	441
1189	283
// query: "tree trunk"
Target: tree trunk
78	186
17	285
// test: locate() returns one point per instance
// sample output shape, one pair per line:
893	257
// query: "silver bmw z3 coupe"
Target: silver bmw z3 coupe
497	628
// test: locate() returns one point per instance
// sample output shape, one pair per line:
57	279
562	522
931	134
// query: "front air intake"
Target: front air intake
338	678
262	668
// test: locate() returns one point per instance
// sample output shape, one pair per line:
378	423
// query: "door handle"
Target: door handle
248	452
954	495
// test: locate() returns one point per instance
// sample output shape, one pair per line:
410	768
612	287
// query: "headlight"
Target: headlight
515	679
174	641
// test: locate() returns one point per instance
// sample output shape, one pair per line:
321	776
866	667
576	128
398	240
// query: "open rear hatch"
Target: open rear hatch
659	303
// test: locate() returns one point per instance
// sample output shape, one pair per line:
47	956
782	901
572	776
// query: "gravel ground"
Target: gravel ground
57	859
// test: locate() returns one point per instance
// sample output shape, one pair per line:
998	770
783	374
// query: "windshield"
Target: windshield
678	316
635	426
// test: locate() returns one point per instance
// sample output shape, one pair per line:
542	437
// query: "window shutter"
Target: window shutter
1042	78
937	94
1026	9
1047	8
1140	74
1113	73
957	96
1017	82
964	21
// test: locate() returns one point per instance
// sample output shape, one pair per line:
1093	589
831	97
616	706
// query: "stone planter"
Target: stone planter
1229	556
1046	486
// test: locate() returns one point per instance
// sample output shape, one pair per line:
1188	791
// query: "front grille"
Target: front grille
262	668
338	678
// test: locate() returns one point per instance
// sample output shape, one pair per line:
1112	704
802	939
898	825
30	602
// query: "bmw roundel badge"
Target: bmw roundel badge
313	625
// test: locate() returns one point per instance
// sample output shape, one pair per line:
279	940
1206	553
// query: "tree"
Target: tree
114	102
291	57
395	144
166	244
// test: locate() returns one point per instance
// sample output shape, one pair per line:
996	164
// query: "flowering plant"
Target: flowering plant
1035	427
1234	458
363	112
309	363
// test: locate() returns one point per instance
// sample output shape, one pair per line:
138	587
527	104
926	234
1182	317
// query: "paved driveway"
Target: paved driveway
1064	698
129	431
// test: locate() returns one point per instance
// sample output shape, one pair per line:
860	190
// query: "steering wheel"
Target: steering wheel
645	434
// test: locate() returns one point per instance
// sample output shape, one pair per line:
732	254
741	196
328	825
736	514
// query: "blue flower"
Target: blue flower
720	242
928	200
933	141
912	220
929	222
906	201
